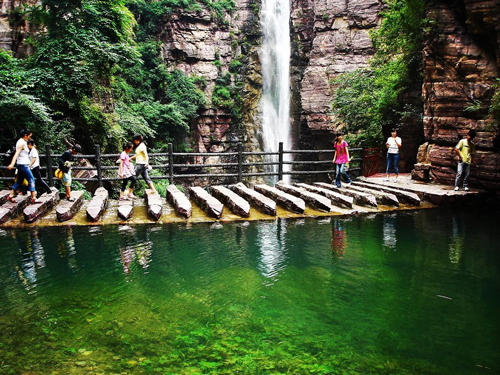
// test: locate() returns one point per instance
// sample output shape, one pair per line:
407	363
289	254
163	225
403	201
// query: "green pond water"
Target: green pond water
404	293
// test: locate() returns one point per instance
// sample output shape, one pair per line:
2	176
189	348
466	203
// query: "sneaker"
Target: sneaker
396	180
124	198
70	199
386	180
131	196
456	188
339	186
466	188
348	183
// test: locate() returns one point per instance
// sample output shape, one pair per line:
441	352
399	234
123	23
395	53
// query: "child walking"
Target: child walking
65	161
340	160
35	166
142	160
127	172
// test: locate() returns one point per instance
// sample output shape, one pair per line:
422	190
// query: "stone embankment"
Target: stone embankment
262	202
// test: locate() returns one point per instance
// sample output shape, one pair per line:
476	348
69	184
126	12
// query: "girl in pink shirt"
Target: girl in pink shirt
127	172
340	159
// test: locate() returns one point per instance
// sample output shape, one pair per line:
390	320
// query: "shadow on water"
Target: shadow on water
401	293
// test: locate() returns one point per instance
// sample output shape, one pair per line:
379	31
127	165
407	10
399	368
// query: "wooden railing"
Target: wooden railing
237	168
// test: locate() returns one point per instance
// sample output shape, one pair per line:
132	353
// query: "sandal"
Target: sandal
10	198
32	200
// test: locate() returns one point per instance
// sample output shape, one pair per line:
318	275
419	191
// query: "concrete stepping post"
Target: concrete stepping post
98	204
404	196
65	210
41	206
290	202
256	199
211	205
382	197
10	210
360	198
125	208
316	201
154	203
233	201
181	203
3	196
340	200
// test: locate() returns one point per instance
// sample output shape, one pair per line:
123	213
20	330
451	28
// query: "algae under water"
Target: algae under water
402	293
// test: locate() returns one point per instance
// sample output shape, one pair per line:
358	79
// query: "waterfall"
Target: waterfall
275	58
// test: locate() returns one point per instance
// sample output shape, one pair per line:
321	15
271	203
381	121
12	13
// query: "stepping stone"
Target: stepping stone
340	200
382	197
41	206
363	199
290	202
256	199
211	205
404	196
154	203
66	209
10	210
316	201
98	204
3	196
125	208
181	203
233	201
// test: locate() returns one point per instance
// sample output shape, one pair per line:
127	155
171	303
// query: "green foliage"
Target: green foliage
494	109
226	95
367	100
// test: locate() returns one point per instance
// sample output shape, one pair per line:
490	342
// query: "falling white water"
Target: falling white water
275	57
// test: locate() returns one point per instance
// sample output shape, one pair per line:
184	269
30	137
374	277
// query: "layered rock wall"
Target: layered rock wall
462	64
330	37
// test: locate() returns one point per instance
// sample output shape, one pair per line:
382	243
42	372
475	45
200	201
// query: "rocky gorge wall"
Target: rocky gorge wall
462	65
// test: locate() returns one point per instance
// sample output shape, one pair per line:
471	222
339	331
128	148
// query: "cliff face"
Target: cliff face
462	63
13	27
198	45
330	37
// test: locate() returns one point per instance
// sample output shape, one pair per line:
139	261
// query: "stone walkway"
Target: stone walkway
365	196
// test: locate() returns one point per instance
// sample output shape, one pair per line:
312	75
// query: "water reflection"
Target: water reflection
66	248
32	259
339	238
389	232
271	242
136	246
457	239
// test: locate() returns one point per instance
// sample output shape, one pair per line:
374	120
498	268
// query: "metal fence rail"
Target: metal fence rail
237	168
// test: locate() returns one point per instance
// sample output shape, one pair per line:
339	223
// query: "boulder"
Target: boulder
361	198
125	208
317	201
154	203
233	201
41	206
211	205
181	203
98	204
9	210
256	199
286	200
65	210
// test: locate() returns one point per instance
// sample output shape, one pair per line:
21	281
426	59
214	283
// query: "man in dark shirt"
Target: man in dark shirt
65	161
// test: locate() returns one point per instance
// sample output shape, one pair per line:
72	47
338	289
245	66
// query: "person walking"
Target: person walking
65	162
126	172
35	166
340	160
142	160
466	152
21	160
393	145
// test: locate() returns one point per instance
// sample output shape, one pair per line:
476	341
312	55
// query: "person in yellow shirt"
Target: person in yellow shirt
465	150
142	160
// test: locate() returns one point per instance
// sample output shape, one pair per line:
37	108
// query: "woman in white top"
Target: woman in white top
142	161
393	145
23	170
35	166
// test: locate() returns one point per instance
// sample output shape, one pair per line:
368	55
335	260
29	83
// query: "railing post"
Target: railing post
280	161
361	162
98	164
170	163
240	161
48	158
